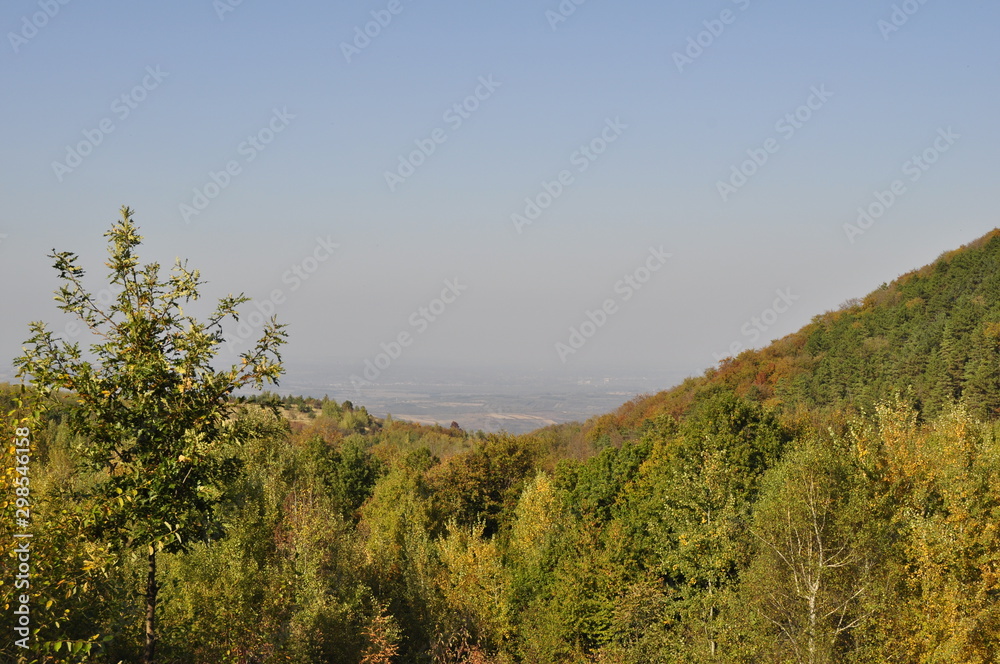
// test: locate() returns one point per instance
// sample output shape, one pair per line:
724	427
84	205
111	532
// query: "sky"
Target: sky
579	187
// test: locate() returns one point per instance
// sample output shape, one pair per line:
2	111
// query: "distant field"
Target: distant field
513	403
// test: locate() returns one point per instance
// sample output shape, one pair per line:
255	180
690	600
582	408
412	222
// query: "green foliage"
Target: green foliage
348	472
149	403
812	570
784	508
595	487
483	484
150	409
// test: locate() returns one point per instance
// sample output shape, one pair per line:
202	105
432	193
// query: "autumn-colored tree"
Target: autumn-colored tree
383	637
940	487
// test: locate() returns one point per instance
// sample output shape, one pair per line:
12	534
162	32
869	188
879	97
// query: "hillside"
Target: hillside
831	498
933	334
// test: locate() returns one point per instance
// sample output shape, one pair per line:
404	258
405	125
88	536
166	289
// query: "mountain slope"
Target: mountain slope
933	334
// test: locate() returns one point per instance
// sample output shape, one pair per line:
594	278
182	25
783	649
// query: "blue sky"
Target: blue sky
328	130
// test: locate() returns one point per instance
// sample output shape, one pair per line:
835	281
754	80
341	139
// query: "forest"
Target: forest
833	497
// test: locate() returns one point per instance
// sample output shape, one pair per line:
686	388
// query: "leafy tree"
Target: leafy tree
485	483
939	484
349	471
811	572
474	585
149	403
691	504
396	521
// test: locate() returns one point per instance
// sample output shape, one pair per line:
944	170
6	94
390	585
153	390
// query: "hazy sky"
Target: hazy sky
681	171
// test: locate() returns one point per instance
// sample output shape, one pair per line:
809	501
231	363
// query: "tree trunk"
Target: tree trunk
813	592
149	655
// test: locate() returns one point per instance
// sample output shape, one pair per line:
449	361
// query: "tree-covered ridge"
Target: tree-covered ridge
933	332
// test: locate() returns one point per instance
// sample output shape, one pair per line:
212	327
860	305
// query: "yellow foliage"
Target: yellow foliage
474	580
943	481
535	518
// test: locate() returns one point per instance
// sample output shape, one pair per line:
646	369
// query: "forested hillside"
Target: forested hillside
834	497
933	334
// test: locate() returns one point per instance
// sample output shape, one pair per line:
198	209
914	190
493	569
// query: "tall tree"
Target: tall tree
694	497
811	572
149	404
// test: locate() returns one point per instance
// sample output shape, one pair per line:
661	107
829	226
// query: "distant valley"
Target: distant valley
493	402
